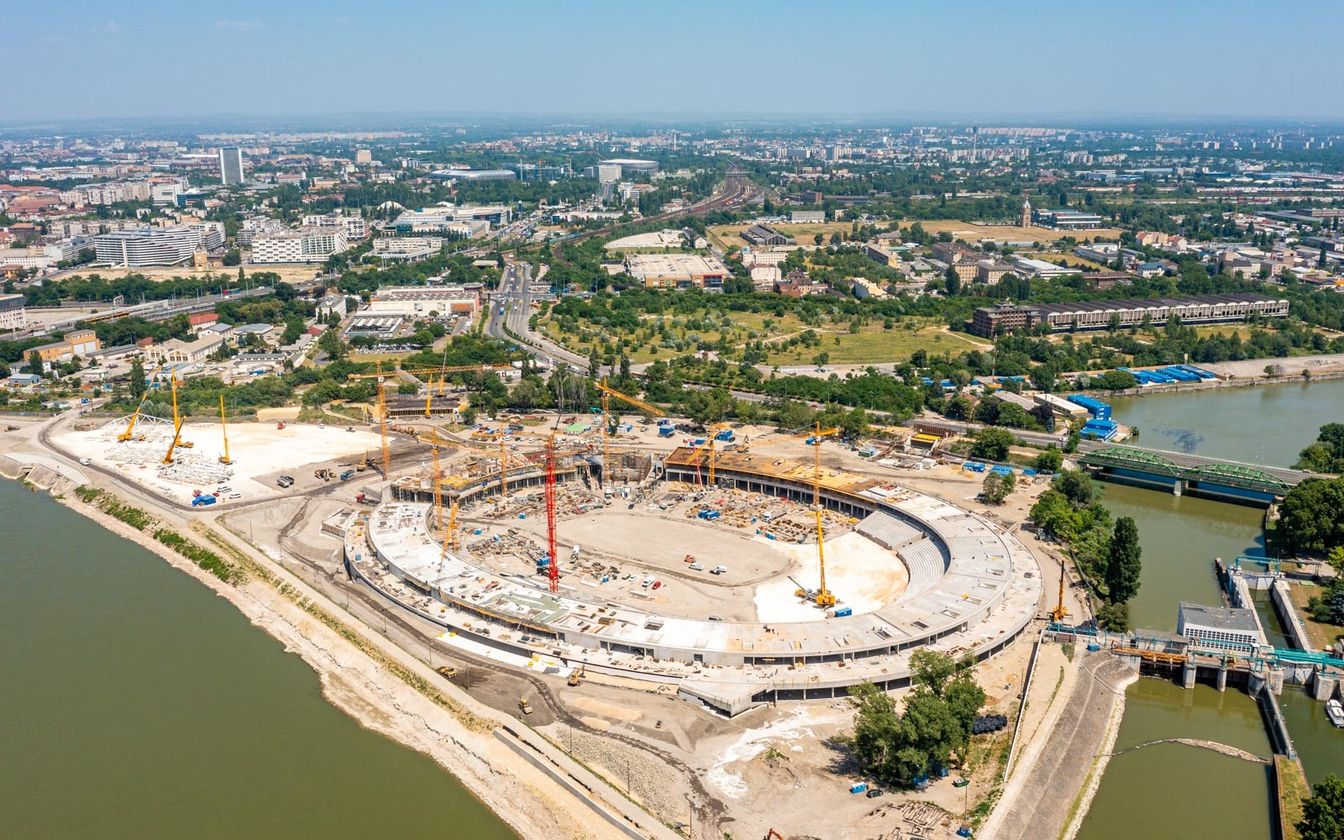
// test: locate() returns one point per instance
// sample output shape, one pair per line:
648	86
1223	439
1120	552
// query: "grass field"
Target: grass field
1072	260
871	344
874	345
726	236
973	233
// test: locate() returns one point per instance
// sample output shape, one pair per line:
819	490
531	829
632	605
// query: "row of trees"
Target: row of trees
1108	554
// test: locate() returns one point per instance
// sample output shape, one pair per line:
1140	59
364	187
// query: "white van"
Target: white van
718	570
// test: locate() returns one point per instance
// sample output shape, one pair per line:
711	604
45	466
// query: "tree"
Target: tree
1309	518
232	257
137	379
952	280
1123	562
330	343
1114	617
997	486
35	363
1050	460
1116	380
1077	486
992	444
1323	813
897	748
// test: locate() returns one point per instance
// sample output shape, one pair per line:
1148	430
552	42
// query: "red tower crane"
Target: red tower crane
554	571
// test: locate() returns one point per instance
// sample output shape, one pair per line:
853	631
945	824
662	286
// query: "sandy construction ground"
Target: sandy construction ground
862	575
259	452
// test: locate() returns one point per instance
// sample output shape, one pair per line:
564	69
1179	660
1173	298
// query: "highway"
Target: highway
511	305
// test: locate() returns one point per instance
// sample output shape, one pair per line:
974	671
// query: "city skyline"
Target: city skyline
866	60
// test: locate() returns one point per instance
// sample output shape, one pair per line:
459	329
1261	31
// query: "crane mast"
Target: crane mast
382	428
224	428
824	596
553	572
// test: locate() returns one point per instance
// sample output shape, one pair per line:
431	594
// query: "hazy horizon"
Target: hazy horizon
79	61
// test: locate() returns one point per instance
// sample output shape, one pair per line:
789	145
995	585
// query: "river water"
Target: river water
136	703
1173	790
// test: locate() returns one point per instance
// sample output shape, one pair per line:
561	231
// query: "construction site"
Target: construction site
224	462
639	588
733	578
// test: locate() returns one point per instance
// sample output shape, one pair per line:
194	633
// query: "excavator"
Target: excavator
576	677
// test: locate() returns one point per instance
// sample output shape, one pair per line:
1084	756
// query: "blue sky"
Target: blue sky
973	59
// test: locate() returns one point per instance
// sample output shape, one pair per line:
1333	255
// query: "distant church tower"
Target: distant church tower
1026	213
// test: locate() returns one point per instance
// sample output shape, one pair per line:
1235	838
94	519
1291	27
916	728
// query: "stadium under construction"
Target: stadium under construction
965	585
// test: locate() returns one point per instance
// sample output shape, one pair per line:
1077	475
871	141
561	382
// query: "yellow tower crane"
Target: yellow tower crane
382	427
130	426
438	488
224	428
823	596
429	395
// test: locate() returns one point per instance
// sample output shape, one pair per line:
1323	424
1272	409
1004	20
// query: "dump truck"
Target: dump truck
524	706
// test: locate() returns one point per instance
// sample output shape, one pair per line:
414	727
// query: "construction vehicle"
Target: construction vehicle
130	426
821	596
524	706
285	481
1059	613
345	475
324	474
576	677
446	671
280	424
773	835
224	429
177	428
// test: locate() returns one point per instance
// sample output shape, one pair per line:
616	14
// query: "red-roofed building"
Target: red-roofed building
200	320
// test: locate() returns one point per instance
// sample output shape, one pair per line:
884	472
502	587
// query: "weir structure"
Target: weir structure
973	589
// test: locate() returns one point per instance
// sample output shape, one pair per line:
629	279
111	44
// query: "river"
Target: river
1148	792
136	703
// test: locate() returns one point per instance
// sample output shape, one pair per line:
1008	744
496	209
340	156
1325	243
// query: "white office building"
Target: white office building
1219	626
151	246
12	315
304	245
354	226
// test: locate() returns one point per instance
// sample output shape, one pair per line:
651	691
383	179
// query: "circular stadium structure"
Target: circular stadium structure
972	589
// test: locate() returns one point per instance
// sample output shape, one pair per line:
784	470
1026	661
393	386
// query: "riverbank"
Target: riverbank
383	691
1053	783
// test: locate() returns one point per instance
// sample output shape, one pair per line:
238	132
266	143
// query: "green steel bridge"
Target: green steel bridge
1184	471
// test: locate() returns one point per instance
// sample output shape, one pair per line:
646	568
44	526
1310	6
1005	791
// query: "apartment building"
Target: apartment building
149	246
304	245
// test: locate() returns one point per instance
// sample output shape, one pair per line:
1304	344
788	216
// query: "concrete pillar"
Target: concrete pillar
1177	487
1188	675
1222	678
1256	684
1323	687
1276	680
